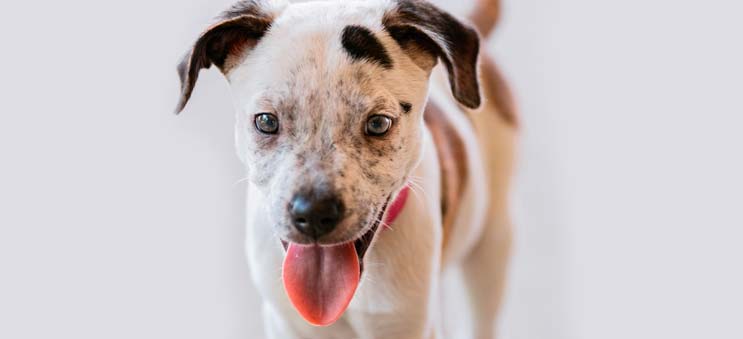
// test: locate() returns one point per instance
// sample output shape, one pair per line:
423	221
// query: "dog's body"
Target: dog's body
457	164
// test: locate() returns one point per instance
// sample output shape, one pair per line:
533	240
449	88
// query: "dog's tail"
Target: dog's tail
485	16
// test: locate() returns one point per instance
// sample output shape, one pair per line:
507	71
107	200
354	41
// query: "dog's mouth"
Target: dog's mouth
362	243
321	280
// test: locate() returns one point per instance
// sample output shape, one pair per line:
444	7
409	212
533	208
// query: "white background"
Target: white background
120	220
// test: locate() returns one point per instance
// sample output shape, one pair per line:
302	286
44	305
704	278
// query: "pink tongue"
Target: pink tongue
321	281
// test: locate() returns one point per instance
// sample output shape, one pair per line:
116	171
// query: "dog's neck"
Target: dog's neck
396	207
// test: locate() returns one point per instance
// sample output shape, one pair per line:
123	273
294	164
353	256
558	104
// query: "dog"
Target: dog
379	148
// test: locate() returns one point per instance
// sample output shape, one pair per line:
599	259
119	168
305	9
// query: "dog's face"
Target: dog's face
329	99
347	128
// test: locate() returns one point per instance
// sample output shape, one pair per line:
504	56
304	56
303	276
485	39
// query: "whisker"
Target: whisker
383	224
418	192
420	186
416	181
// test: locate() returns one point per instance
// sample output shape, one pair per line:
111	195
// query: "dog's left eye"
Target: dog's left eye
267	123
378	125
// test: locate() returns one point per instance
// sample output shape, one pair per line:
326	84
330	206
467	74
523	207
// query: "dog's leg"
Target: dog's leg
485	266
485	271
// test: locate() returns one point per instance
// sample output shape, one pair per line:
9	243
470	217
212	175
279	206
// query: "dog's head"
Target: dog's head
329	99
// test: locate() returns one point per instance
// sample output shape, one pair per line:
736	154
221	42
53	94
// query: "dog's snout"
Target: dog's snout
315	215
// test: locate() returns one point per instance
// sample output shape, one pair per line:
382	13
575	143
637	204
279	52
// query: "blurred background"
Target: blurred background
120	220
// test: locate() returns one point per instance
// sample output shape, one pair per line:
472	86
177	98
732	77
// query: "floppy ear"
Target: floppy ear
223	44
424	31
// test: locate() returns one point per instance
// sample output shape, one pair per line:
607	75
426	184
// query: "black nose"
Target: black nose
315	215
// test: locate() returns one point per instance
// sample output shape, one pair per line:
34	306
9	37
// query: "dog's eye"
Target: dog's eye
378	125
267	123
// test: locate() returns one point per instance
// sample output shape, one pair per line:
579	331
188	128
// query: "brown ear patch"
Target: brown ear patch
223	44
361	44
421	24
420	48
232	38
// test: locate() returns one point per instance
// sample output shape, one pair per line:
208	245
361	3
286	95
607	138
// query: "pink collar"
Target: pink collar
396	207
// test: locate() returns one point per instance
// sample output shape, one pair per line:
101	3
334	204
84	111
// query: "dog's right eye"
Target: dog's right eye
378	125
267	123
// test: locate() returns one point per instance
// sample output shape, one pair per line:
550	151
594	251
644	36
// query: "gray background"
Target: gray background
119	220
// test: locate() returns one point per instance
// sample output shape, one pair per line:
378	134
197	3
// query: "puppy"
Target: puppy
369	174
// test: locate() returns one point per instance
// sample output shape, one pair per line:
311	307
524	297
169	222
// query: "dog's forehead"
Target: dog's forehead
320	44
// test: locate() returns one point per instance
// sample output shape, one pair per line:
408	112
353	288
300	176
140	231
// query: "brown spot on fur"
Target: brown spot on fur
406	107
453	161
421	49
361	44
